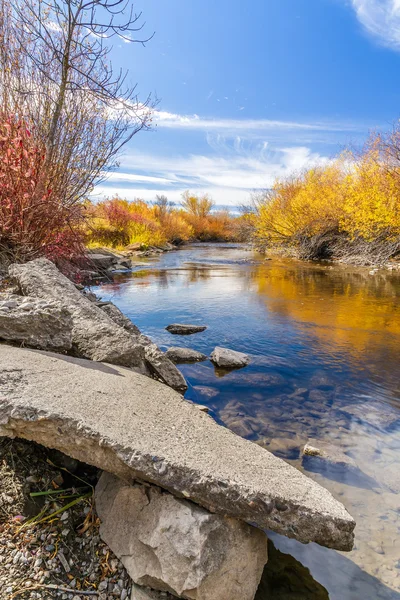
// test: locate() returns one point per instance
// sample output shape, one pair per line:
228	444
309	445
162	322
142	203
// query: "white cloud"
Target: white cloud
229	178
381	18
176	121
121	176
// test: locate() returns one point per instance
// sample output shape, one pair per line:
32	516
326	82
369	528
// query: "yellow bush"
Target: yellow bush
357	196
117	223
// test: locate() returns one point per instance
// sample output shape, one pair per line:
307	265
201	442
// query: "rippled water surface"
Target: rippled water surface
325	345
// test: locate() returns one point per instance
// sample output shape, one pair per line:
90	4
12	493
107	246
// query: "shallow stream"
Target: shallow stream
324	342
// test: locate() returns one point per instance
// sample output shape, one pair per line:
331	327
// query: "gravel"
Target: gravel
62	557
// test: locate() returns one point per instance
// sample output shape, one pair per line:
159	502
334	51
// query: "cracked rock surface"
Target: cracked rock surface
100	334
44	324
137	428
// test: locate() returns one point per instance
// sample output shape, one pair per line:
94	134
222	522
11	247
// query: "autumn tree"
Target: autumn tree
198	206
56	75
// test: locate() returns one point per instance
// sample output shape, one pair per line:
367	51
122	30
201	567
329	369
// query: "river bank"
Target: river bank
127	427
340	254
322	338
323	343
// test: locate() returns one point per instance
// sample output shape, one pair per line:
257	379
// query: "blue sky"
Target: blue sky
251	91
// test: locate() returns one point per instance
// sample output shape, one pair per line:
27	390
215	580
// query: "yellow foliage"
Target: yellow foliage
117	223
357	196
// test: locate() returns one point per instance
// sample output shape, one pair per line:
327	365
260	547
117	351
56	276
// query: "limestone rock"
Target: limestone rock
102	262
132	426
94	334
184	355
102	334
181	329
157	361
161	366
118	317
145	593
34	322
229	359
172	545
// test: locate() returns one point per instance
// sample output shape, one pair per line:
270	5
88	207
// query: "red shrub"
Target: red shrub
33	220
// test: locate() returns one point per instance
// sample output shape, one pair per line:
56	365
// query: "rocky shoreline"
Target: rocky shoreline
169	464
353	260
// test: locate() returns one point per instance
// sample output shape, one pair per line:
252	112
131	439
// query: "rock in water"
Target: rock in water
158	362
34	322
132	426
161	366
182	329
96	335
329	454
173	545
229	359
184	355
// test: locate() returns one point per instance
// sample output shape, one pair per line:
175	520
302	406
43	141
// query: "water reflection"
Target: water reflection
324	343
285	578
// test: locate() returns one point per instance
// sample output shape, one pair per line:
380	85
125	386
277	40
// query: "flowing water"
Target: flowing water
325	345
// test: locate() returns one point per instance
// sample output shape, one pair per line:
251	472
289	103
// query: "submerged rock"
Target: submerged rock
181	329
44	324
328	453
122	422
333	463
229	359
184	355
173	545
373	413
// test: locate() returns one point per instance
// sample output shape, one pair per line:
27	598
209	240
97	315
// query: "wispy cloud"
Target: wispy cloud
177	121
121	176
381	18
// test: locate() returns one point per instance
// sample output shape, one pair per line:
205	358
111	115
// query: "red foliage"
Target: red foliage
33	220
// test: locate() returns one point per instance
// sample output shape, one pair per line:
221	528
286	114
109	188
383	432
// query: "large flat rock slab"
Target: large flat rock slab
138	428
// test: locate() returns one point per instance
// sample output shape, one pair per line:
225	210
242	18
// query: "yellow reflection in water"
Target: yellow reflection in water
345	307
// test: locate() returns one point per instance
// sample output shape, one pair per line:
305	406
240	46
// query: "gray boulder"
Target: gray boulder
118	317
101	334
184	355
229	359
102	262
44	324
157	361
185	329
94	334
127	424
161	366
175	546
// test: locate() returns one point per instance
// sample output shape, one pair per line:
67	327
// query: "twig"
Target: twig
56	588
